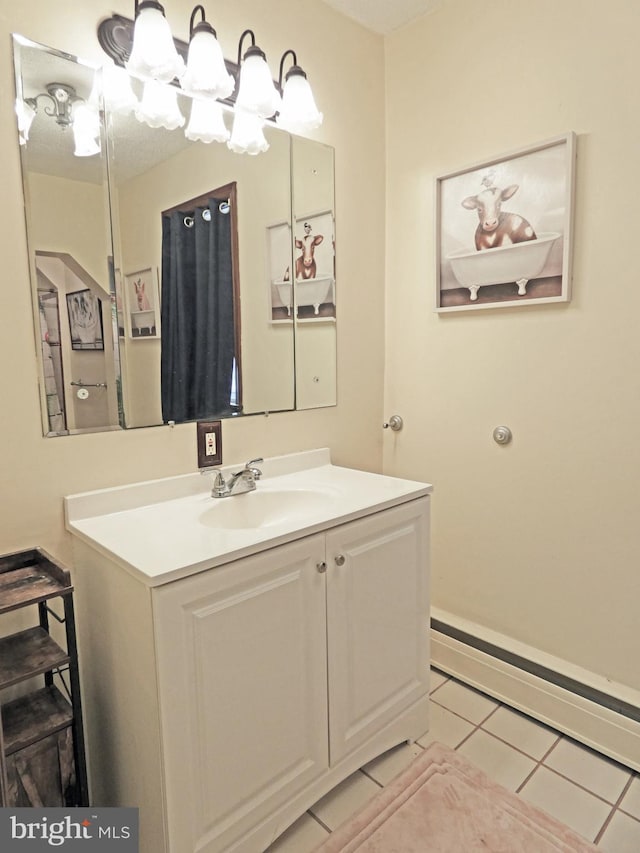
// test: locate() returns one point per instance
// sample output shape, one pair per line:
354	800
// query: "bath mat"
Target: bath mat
443	804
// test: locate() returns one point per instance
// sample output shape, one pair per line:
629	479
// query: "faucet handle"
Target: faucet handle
219	485
250	466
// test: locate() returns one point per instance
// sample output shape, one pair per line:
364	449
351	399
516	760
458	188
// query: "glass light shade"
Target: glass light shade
86	130
206	72
118	94
257	92
247	136
159	106
26	114
299	112
154	55
206	122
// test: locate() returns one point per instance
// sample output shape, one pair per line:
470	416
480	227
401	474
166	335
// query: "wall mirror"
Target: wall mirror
95	236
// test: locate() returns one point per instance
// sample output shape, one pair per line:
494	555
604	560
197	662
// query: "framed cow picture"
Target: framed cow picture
504	229
143	304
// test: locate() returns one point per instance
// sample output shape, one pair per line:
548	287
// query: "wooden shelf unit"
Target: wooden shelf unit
42	753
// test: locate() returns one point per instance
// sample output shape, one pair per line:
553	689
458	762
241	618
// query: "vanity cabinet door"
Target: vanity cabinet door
377	622
241	655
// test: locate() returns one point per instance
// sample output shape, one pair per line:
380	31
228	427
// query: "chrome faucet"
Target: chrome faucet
242	481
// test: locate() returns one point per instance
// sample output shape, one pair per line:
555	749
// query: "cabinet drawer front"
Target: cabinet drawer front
242	666
377	618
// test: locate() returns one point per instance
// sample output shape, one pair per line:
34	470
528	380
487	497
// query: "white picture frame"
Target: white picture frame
504	229
142	300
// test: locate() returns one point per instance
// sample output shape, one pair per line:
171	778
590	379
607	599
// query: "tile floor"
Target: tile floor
595	796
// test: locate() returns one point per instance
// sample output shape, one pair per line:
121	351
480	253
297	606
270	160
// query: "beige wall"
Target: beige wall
35	472
538	540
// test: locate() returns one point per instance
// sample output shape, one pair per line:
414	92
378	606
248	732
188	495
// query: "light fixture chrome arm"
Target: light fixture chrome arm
295	65
202	26
62	97
253	45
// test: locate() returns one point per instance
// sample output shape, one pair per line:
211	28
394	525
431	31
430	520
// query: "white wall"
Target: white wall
338	56
538	540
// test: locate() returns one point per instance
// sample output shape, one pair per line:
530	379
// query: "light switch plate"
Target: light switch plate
209	440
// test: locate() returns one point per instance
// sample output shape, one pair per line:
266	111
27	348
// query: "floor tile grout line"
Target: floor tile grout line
438	687
466	719
518	749
472	732
373	779
605	758
628	814
318	820
579	785
615	808
539	763
599	834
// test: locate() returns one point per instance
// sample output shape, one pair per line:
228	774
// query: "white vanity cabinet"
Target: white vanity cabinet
275	668
226	694
242	673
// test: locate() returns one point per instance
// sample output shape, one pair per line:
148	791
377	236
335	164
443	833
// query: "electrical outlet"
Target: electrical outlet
210	444
209	440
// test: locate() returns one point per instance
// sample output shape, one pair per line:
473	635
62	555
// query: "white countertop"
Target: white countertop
157	530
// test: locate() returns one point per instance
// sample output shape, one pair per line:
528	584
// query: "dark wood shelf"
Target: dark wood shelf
29	577
34	717
28	653
42	757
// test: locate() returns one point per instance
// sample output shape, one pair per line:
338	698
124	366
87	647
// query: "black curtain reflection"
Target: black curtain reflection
198	345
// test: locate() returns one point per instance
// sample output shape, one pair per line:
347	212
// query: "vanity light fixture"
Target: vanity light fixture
159	106
246	87
86	130
153	55
257	92
61	98
247	136
257	100
118	93
26	114
298	112
206	72
67	109
206	122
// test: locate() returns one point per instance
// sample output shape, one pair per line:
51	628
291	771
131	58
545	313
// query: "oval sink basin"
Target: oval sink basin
265	509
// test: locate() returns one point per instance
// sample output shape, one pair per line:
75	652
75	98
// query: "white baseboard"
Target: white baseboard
612	733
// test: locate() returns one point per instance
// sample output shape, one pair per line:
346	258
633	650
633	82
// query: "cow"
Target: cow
141	296
306	264
497	228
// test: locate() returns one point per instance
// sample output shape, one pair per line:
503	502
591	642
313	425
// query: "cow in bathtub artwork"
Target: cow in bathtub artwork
310	292
503	230
497	227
